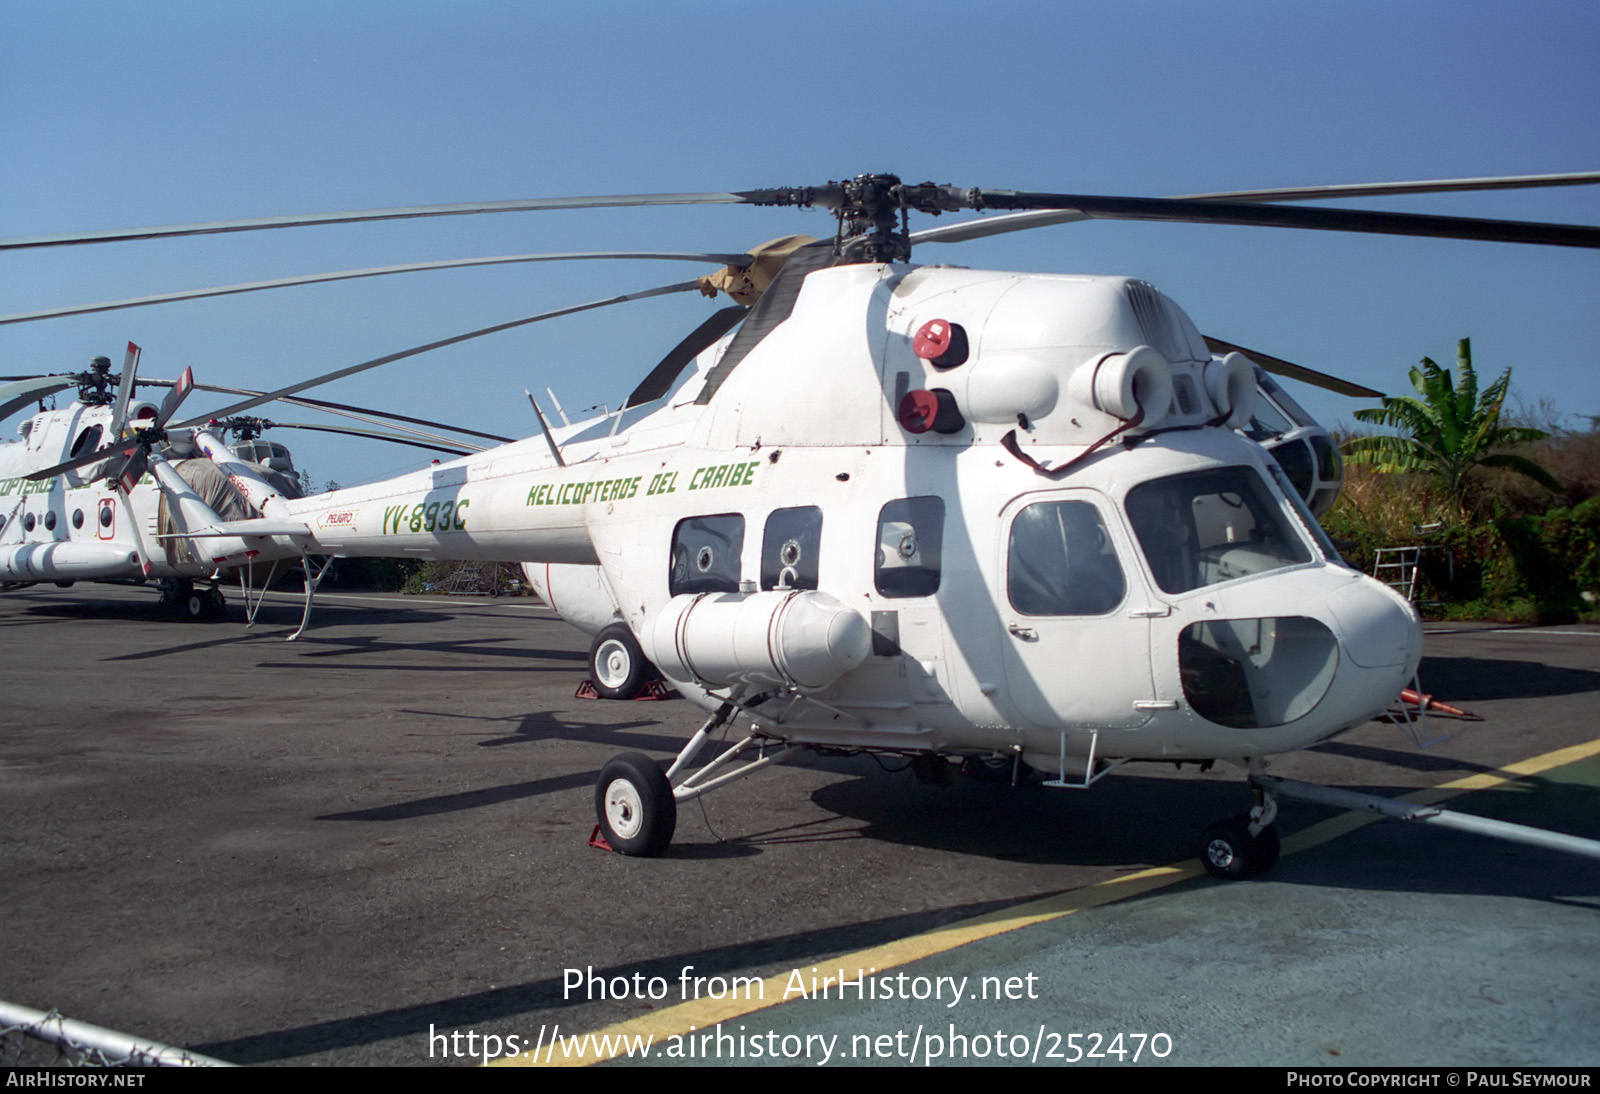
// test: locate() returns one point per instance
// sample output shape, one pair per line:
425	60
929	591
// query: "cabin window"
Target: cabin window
27	522
789	548
106	512
1061	561
1207	527
705	554
77	518
50	521
910	538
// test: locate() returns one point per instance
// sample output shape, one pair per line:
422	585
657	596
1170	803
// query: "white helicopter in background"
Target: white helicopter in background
119	526
926	510
70	527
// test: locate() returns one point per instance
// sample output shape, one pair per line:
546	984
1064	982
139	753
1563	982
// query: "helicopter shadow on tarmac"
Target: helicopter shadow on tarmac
1479	679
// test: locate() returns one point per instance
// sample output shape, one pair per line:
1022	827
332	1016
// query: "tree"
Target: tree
1450	430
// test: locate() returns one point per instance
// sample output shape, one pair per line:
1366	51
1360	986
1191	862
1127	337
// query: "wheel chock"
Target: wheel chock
598	841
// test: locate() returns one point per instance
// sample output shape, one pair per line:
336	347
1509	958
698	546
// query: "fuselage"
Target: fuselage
1164	596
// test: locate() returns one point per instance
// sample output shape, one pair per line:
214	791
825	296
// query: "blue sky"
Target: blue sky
114	115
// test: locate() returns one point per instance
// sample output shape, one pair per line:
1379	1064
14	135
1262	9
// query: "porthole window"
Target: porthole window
910	540
27	522
106	512
789	548
705	554
77	518
50	521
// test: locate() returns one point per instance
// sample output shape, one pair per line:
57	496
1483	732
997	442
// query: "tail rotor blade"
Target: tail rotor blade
133	523
175	397
133	469
130	374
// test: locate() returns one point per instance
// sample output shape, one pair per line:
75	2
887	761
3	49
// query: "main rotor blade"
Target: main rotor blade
1192	211
15	396
374	434
110	451
293	389
1017	222
347	410
661	378
1305	375
409	212
375	271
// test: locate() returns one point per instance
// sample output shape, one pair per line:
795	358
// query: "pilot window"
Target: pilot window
910	535
1207	527
705	554
1061	561
789	548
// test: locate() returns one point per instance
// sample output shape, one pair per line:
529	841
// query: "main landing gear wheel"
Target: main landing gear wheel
634	804
1229	852
616	663
204	603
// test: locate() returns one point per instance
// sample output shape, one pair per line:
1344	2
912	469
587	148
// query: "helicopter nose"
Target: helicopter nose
1379	627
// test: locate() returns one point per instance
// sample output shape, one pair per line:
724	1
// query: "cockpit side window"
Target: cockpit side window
1061	561
910	539
789	548
705	554
1207	527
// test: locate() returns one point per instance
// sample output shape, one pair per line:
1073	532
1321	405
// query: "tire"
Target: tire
1229	852
634	804
197	606
616	663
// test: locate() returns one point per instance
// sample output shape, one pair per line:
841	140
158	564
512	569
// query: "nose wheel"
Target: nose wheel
1228	850
1246	845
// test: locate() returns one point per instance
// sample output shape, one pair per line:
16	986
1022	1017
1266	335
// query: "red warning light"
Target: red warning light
941	342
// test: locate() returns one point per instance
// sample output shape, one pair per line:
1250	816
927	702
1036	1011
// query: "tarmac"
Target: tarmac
370	846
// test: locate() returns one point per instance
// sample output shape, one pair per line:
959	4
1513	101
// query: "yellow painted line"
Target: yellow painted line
699	1014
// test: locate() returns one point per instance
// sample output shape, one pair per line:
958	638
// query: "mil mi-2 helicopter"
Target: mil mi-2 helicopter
1026	522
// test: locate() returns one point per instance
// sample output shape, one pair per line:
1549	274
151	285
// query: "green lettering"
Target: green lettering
461	508
415	524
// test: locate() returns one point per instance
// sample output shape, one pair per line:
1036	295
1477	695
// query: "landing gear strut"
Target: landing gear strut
636	802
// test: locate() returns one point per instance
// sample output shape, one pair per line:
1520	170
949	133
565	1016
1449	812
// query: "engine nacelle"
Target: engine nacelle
790	639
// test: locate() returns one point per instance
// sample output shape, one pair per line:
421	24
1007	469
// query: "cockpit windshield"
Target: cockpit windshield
1207	527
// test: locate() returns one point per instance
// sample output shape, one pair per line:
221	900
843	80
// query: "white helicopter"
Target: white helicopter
73	527
1027	522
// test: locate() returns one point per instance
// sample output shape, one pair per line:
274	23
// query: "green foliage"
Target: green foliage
1452	429
386	574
